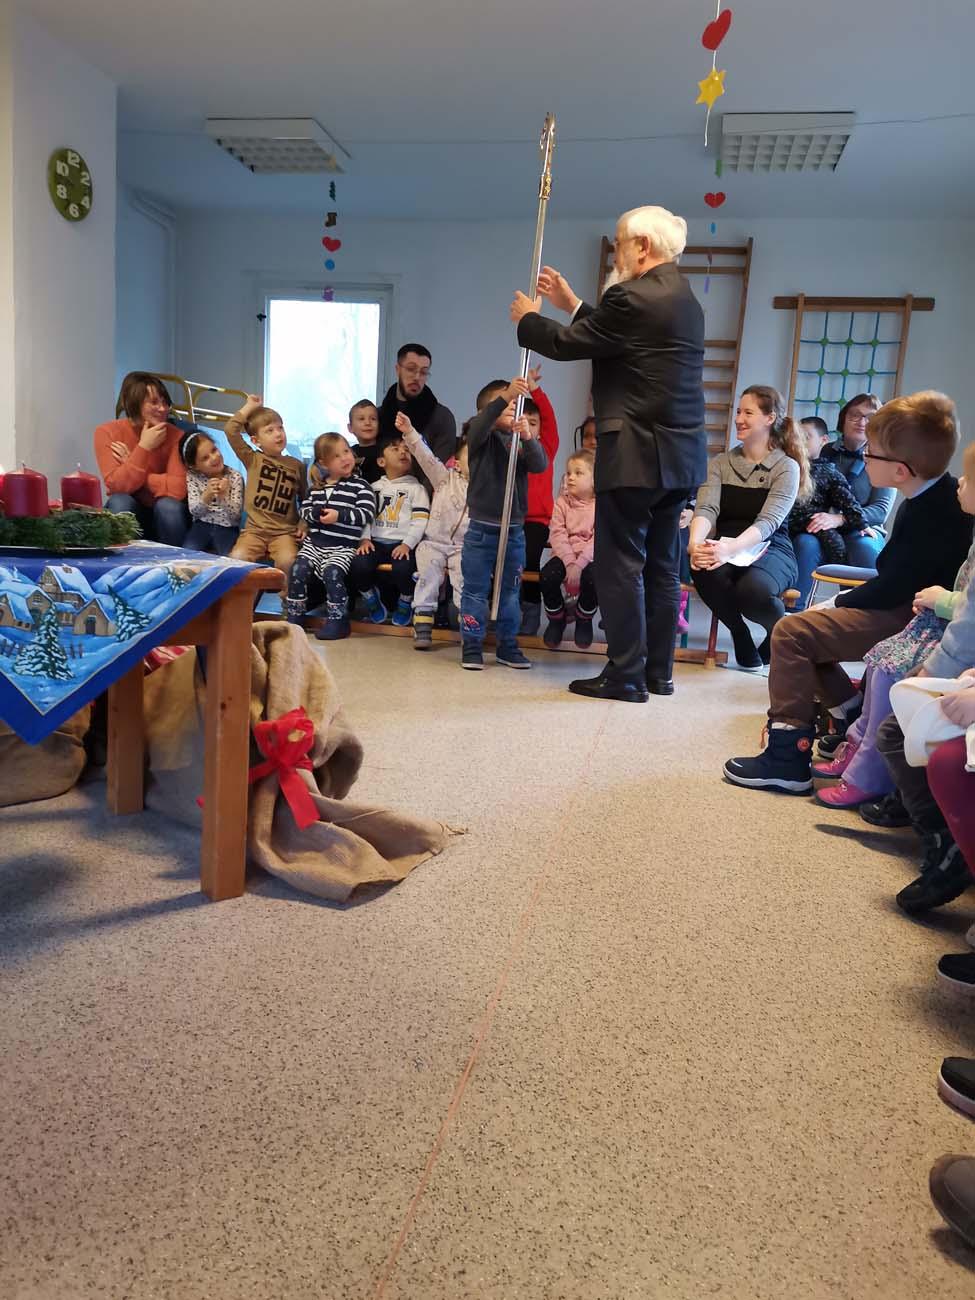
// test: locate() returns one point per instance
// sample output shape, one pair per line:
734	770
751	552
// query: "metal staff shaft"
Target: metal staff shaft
546	147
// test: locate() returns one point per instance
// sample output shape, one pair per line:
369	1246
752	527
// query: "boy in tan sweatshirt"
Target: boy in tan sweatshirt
275	483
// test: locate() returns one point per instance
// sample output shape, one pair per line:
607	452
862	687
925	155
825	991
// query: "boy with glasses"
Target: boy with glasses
910	443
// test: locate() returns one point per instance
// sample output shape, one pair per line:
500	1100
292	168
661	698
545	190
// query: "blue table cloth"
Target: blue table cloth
71	626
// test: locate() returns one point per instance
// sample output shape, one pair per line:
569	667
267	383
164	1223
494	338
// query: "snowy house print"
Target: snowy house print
79	610
15	611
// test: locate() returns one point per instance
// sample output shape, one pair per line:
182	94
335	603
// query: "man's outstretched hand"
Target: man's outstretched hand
522	305
557	290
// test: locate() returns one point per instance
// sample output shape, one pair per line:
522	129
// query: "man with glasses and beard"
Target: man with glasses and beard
645	340
434	422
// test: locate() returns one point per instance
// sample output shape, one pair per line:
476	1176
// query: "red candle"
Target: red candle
25	494
81	489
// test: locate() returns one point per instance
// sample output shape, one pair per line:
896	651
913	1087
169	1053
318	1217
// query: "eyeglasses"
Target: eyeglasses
891	460
416	371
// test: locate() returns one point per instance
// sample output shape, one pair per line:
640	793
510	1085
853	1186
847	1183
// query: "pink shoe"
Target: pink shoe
839	763
843	796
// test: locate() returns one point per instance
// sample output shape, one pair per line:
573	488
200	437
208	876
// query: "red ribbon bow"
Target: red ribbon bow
285	743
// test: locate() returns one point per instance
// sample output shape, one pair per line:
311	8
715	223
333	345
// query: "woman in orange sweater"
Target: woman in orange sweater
138	458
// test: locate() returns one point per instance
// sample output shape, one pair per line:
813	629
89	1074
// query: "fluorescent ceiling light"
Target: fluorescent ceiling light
277	144
784	142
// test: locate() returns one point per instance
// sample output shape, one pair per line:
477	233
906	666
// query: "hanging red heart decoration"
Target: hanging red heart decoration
715	200
333	245
715	32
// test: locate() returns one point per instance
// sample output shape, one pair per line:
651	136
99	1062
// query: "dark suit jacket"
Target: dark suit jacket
646	344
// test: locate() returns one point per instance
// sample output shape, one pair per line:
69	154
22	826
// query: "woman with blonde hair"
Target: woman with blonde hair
741	555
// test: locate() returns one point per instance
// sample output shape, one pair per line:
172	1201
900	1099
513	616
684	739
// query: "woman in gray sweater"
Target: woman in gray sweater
740	552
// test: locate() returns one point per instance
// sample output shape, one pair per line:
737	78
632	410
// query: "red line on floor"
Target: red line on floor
484	1028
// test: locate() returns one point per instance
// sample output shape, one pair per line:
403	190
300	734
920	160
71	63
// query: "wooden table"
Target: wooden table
226	629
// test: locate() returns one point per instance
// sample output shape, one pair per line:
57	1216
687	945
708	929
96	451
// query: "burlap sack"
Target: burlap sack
351	844
45	770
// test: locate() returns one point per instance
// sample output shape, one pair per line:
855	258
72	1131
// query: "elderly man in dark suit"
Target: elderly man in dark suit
645	340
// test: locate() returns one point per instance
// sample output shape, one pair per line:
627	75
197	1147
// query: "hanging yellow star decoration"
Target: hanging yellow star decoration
712	88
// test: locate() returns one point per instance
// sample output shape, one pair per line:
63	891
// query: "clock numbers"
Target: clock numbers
70	184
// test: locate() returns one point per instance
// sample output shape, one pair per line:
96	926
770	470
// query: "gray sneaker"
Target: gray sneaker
952	1185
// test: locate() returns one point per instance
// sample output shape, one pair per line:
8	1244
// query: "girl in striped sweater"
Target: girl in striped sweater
338	506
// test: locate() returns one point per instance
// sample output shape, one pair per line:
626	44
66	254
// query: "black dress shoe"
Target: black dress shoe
660	685
604	688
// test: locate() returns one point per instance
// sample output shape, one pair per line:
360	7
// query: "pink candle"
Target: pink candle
25	494
81	489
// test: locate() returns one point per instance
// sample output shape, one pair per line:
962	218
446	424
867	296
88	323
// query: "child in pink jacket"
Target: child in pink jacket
570	536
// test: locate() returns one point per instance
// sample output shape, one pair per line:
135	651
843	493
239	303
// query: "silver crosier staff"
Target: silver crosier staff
546	147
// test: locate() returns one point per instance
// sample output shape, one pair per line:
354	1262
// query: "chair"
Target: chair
838	575
790	599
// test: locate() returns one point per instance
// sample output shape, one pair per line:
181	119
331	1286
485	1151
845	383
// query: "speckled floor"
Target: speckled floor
637	1035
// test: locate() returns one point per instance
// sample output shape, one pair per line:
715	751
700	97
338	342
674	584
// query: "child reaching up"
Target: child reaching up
338	506
571	535
443	541
214	494
489	436
402	511
275	482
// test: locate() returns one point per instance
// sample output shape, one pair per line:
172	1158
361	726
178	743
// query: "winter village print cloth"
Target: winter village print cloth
71	626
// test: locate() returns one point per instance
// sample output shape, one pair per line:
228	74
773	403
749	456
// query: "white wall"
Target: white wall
7	445
453	283
145	286
64	273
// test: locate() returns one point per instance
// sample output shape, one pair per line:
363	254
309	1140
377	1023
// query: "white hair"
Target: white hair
666	232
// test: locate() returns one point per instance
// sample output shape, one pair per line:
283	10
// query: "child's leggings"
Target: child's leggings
432	560
334	579
868	771
954	789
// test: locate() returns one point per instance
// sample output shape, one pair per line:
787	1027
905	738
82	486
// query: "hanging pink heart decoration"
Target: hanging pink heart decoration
715	200
715	32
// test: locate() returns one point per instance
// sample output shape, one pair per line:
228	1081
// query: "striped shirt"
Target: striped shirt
355	502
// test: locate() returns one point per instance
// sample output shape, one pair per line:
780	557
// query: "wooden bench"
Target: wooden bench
709	657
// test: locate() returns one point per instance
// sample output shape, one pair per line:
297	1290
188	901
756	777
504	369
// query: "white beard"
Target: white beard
618	277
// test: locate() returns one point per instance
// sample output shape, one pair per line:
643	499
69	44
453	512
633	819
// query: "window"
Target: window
322	357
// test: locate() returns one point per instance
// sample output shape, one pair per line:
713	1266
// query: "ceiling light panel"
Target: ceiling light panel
784	142
270	145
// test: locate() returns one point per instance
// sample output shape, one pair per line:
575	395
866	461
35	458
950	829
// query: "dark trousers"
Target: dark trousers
363	575
166	520
911	782
551	579
637	571
536	539
735	593
332	578
219	538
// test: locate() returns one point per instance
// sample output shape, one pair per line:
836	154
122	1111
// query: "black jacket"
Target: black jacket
646	344
927	546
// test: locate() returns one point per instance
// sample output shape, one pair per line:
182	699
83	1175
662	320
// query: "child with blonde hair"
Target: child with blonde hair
440	550
275	483
338	506
571	537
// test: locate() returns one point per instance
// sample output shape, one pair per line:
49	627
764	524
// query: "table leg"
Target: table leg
227	748
126	743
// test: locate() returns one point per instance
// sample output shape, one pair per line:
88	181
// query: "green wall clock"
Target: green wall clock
69	184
